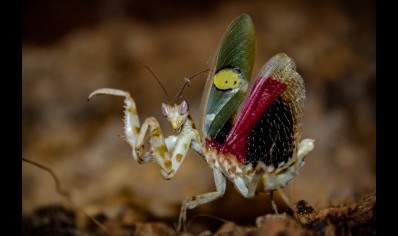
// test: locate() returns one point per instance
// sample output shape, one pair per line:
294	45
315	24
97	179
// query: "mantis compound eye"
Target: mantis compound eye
165	111
183	108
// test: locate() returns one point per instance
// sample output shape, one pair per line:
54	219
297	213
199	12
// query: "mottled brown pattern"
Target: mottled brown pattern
132	110
155	132
136	129
161	150
167	164
186	146
250	171
179	157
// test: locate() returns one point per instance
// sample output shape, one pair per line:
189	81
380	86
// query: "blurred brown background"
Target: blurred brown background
71	48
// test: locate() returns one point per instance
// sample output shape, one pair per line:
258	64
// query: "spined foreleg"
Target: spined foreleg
136	137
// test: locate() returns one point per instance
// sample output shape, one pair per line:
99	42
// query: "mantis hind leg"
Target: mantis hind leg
193	201
276	181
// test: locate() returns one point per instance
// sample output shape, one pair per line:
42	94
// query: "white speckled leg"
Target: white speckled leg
167	154
193	201
131	120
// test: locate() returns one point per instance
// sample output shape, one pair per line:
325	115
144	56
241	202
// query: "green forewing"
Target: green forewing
236	51
238	46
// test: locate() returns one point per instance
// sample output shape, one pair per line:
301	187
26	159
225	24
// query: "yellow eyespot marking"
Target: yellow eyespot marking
226	79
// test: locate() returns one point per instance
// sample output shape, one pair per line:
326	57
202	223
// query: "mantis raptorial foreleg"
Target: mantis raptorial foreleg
168	153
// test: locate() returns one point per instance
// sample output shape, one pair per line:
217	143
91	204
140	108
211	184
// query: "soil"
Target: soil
71	48
355	219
